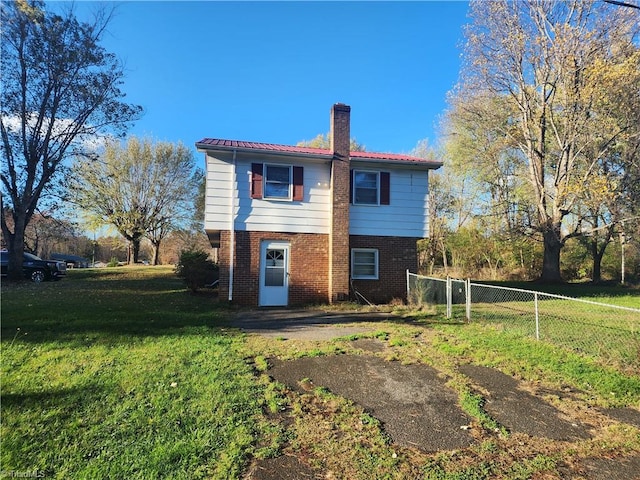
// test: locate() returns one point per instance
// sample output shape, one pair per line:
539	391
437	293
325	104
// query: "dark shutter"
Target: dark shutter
298	184
256	180
385	195
350	186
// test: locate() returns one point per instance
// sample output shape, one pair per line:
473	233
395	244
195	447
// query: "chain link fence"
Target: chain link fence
609	332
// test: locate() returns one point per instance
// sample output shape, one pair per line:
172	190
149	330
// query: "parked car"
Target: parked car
34	268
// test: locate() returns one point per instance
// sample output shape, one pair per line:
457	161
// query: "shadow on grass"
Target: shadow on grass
64	399
114	307
272	322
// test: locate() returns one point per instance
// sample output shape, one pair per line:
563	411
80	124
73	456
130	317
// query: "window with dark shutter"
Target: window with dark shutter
277	182
370	187
256	180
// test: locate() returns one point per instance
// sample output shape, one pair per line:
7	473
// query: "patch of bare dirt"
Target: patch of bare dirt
520	411
415	407
284	467
417	410
626	468
371	345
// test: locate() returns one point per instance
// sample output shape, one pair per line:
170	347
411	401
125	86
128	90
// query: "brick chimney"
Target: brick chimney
340	178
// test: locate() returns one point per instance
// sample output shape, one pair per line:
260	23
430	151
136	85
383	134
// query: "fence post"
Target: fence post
448	295
408	289
535	301
467	287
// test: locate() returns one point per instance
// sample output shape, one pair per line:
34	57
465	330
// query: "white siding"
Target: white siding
406	216
220	190
309	216
407	213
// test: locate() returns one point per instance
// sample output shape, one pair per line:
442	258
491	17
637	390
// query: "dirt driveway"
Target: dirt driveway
416	408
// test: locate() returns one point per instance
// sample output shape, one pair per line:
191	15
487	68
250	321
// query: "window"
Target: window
277	182
370	188
365	187
364	263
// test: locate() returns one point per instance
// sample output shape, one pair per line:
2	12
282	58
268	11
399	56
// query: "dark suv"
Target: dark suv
35	268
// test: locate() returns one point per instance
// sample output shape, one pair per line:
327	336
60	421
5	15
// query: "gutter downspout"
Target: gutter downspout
232	224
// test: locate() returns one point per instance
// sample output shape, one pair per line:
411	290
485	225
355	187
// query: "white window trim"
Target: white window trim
377	264
353	187
264	182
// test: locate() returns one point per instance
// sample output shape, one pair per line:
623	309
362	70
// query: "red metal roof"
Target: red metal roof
230	144
217	143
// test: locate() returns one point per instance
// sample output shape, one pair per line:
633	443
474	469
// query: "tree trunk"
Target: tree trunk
133	251
444	257
551	258
15	242
156	252
596	253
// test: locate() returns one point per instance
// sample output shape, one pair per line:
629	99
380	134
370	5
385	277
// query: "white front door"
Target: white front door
274	273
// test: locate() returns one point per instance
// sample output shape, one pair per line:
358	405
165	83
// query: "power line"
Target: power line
622	4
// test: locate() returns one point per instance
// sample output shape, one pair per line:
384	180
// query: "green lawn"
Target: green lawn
627	296
121	373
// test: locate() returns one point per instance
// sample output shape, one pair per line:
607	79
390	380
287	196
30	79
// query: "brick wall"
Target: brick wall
309	267
223	263
339	235
395	256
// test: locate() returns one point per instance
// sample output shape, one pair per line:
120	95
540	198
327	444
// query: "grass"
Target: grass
614	294
599	330
120	373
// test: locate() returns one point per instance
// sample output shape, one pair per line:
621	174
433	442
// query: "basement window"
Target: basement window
364	263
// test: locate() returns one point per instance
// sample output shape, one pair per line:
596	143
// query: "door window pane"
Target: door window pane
274	268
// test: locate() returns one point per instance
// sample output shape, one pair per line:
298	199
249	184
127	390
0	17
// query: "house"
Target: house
299	225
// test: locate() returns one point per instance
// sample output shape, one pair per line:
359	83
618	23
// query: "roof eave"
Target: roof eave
204	147
420	163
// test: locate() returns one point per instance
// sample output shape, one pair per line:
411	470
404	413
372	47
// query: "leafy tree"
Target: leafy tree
324	141
59	90
142	189
528	78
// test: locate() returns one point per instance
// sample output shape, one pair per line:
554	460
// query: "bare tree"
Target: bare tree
60	89
142	189
537	59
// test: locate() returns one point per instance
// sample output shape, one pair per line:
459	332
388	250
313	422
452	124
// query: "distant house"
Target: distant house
299	225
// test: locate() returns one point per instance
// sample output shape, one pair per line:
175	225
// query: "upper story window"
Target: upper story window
369	187
365	187
277	182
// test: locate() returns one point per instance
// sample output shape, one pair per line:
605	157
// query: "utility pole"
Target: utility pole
622	242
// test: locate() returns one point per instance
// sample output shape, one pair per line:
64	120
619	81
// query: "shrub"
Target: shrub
196	269
113	262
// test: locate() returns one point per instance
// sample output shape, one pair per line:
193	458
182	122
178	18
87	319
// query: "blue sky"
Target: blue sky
270	71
